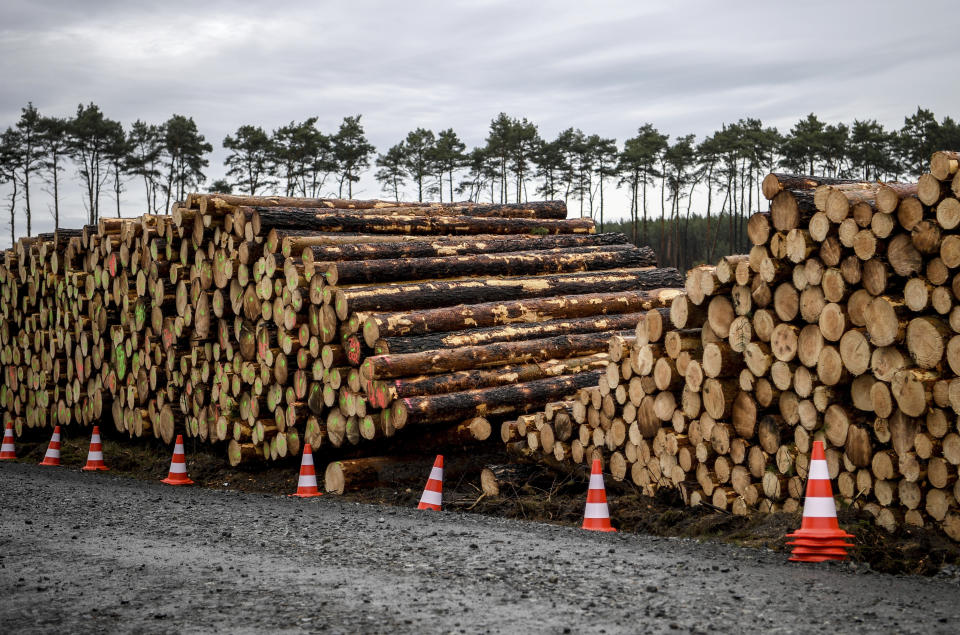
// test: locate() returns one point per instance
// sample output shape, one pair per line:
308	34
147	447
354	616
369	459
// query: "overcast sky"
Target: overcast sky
605	67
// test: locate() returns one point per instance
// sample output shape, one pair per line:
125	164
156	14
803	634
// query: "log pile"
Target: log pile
842	323
263	323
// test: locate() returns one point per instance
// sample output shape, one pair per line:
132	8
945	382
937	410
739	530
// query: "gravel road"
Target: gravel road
95	553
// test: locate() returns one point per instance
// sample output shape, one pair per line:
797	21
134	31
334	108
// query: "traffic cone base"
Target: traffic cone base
95	454
307	483
52	457
178	466
8	450
819	538
596	514
432	497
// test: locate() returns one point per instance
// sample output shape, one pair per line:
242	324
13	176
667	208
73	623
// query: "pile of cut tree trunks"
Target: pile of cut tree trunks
260	324
841	324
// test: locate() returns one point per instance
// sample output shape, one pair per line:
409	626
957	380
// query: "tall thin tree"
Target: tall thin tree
31	157
90	133
54	147
10	148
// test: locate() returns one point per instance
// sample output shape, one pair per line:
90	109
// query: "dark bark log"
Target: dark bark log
445	320
791	208
267	218
454	246
890	194
470	432
943	164
353	474
510	333
471	357
535	209
776	182
512	476
401	297
501	400
520	263
290	242
383	392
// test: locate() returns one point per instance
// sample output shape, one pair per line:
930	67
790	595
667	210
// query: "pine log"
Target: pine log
456	246
400	297
512	475
790	208
353	474
469	357
382	393
775	182
443	320
930	190
943	164
885	320
516	398
267	218
508	333
518	263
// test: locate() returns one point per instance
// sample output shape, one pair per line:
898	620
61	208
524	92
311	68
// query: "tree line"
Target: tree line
688	197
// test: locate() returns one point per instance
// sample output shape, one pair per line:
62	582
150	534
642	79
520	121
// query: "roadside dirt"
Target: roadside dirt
544	497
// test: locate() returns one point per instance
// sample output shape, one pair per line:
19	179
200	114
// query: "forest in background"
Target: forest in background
689	198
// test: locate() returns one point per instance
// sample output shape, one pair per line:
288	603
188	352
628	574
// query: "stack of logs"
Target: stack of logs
841	323
262	322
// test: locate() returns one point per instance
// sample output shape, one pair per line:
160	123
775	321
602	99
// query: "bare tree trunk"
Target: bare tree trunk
56	195
663	208
26	196
732	210
686	230
646	237
709	204
13	214
601	200
117	184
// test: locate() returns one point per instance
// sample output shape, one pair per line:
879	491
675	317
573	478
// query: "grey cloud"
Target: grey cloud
605	67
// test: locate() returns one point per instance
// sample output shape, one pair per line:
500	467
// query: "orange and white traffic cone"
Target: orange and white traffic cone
178	466
8	450
52	457
819	537
596	515
433	492
95	454
307	483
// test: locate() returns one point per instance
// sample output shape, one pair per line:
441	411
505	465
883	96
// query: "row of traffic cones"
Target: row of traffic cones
596	515
818	539
52	456
95	462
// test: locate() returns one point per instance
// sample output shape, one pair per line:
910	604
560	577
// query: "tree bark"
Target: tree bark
267	218
510	333
501	400
444	320
776	182
384	392
404	297
564	260
472	357
448	246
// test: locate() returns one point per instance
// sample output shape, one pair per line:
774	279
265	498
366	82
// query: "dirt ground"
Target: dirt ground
545	497
102	553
